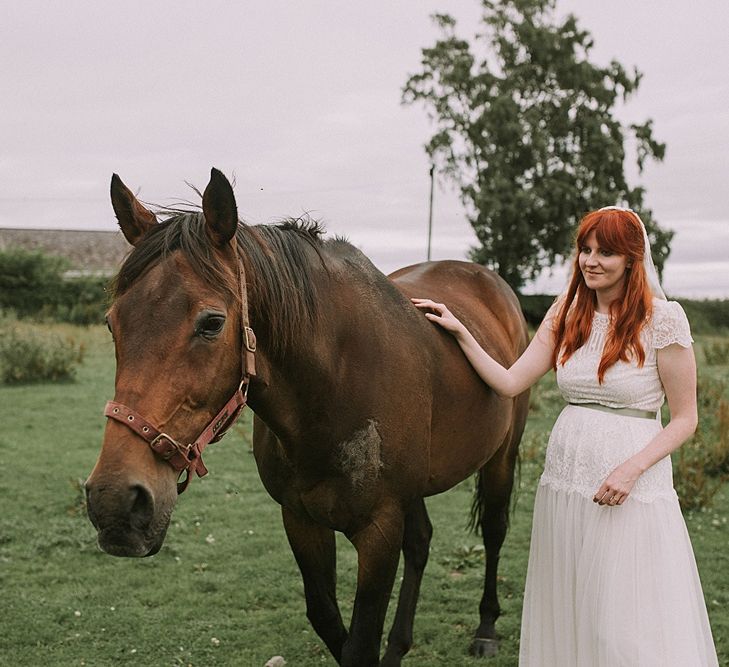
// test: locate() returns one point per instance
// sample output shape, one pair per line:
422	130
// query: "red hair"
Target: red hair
622	233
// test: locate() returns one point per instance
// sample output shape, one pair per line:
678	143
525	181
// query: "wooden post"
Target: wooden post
430	210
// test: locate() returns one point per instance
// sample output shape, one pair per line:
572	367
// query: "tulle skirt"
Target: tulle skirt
612	586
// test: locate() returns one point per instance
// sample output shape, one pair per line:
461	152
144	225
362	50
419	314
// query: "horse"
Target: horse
362	408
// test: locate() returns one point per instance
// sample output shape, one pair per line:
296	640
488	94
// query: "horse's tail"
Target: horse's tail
481	498
496	479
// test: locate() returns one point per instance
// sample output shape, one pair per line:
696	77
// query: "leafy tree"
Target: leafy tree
527	133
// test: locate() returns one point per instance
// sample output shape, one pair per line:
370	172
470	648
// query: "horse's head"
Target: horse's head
176	321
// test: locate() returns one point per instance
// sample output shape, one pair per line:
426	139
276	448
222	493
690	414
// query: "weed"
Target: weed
78	505
464	557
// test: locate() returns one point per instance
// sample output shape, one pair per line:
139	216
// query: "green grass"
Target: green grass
225	590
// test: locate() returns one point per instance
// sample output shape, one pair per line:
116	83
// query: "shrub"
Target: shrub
696	489
32	355
716	353
535	307
701	465
35	285
707	316
29	280
84	300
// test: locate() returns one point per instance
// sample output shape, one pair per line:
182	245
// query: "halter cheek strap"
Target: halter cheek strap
188	458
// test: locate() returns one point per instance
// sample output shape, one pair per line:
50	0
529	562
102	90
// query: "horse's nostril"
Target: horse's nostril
142	509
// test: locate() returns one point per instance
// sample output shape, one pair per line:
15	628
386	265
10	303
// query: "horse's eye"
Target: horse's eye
210	325
108	326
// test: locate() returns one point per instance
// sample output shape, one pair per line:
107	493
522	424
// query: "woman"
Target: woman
612	580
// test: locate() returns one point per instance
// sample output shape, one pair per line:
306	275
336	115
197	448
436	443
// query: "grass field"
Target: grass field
225	590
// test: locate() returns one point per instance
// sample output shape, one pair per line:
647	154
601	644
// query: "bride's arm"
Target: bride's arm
535	361
677	370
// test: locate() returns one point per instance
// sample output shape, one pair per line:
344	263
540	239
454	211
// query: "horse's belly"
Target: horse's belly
461	447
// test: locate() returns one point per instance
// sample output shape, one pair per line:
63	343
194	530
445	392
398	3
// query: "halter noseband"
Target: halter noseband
188	458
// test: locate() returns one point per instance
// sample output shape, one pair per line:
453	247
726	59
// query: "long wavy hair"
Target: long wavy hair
620	232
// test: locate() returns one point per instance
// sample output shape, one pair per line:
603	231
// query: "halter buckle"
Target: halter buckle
176	447
249	339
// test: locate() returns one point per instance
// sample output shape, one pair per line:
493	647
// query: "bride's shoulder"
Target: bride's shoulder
550	318
668	324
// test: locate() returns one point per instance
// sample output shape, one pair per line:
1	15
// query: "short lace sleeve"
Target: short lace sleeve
670	325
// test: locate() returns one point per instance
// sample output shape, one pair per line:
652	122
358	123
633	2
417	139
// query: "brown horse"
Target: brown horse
362	407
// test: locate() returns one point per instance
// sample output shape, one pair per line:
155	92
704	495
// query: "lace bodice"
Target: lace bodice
586	445
625	384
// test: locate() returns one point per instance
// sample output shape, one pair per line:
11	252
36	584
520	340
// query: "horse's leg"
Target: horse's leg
495	482
415	546
378	553
314	548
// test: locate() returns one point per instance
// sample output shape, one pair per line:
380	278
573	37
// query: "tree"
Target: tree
528	135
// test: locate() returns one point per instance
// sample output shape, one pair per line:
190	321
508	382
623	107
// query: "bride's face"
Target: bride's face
602	269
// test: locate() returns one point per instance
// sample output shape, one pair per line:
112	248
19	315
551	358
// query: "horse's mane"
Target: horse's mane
277	260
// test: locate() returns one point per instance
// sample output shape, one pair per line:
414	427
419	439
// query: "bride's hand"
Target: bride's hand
618	485
439	313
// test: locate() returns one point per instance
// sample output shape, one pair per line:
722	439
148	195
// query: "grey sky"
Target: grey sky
299	101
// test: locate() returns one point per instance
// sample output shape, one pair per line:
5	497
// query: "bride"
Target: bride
611	580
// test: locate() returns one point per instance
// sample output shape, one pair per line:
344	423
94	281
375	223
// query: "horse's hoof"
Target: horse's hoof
484	648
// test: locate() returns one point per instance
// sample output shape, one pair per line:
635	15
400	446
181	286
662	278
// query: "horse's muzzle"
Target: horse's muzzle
125	519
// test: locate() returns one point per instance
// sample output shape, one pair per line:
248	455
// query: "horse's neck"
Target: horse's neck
323	362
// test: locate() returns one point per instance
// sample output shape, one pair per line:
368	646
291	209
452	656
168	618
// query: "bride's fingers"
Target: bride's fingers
427	304
606	497
609	496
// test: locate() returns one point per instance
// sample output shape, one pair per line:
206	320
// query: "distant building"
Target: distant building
88	252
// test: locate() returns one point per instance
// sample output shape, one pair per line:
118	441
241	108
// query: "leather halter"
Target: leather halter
188	458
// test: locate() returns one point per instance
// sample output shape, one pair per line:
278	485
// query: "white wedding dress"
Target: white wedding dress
612	586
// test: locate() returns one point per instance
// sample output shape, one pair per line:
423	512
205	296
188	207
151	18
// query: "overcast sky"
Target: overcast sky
300	103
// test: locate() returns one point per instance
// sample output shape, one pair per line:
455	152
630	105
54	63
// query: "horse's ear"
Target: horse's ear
134	219
219	209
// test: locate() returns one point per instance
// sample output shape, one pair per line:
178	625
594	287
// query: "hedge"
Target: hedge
32	284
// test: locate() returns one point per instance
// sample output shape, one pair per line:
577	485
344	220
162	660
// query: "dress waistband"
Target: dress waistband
626	412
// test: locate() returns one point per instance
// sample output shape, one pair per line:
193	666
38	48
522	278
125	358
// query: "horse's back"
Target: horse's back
479	297
470	423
